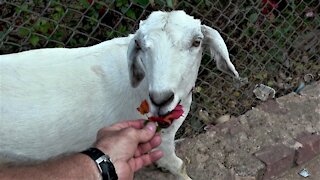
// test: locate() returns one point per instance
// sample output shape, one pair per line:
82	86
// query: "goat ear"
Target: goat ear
136	71
218	50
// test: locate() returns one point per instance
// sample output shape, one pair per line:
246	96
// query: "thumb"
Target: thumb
147	132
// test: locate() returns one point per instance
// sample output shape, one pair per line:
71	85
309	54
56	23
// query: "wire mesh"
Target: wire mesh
271	42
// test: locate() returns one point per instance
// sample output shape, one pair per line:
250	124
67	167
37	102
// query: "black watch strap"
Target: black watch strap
103	163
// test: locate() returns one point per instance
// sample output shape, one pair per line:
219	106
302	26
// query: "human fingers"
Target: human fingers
145	160
146	133
128	139
146	147
138	124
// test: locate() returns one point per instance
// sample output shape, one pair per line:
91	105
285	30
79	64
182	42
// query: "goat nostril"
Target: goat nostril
161	98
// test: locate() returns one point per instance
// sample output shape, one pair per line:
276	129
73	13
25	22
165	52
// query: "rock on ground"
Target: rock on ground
263	143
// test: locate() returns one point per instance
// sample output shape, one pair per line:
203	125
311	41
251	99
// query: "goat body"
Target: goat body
53	101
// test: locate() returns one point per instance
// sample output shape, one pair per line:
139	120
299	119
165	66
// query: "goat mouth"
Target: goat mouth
167	119
169	112
166	114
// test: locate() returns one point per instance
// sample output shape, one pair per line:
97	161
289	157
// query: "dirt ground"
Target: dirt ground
227	151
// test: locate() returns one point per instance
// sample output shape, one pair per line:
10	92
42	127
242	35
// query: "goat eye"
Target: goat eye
196	43
137	44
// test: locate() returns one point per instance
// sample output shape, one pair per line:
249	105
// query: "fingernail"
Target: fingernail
151	126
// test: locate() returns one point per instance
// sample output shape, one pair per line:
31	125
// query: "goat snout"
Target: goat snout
161	98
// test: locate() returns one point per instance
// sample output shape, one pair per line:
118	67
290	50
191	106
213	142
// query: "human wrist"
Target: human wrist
90	166
103	163
106	150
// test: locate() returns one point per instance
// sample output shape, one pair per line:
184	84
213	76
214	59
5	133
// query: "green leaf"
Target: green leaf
170	3
85	3
270	83
58	14
58	36
44	27
23	7
59	9
34	40
261	75
253	18
131	14
73	42
23	32
82	41
121	3
142	2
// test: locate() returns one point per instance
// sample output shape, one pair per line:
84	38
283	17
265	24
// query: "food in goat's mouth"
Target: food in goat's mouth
162	121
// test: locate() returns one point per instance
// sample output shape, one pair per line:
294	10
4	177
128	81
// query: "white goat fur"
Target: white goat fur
53	101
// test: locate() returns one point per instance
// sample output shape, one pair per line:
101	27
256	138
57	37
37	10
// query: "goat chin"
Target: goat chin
53	101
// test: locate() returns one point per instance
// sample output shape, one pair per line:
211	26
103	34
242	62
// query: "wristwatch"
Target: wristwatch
103	163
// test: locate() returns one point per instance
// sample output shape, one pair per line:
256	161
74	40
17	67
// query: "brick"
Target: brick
231	127
272	106
244	178
277	158
235	176
310	147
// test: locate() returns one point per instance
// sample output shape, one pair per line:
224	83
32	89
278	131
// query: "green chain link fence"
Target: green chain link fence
271	42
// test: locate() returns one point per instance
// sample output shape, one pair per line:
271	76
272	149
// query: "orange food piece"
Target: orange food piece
144	107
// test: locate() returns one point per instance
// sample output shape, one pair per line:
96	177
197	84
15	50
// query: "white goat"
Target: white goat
53	101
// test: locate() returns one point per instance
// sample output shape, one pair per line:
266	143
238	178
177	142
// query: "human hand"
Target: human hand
129	146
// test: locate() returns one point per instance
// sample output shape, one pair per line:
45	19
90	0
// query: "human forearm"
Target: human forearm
76	166
130	147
